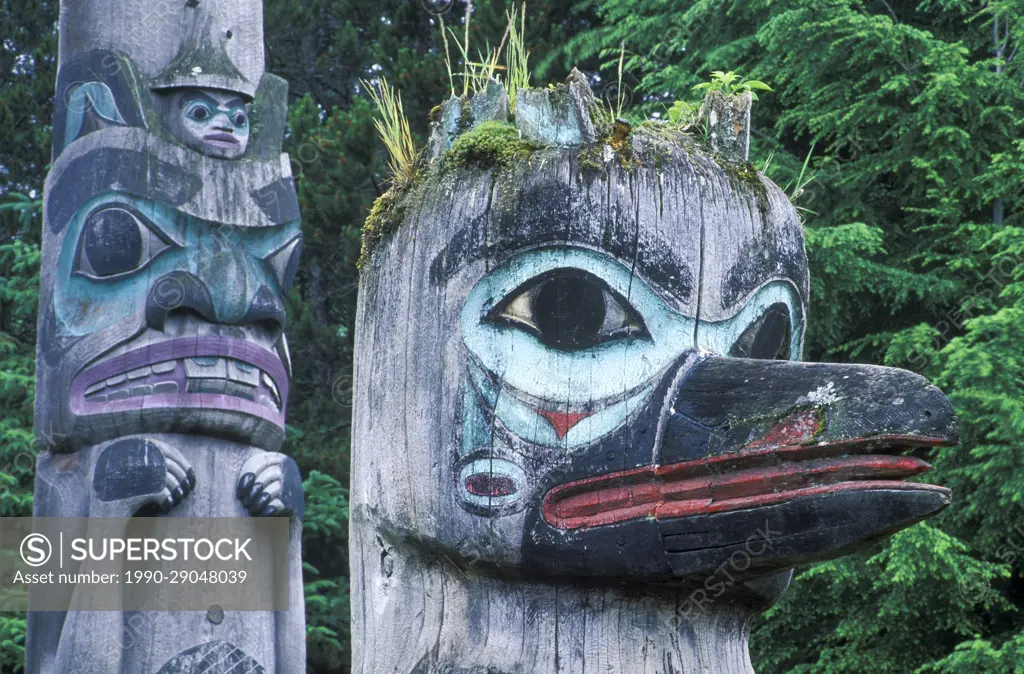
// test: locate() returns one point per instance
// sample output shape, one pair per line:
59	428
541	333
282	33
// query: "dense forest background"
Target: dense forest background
897	128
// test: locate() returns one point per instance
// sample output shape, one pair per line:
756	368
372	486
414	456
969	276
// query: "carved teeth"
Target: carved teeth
204	374
139	373
243	373
275	396
206	368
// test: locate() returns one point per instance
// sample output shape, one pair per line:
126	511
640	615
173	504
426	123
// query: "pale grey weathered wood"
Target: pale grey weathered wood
428	597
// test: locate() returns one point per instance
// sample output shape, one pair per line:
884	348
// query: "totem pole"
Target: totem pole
170	239
582	440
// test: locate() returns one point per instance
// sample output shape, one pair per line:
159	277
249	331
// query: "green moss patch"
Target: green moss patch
489	144
384	217
747	180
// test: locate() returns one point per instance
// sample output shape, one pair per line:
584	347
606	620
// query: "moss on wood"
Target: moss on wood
746	180
385	215
498	145
491	144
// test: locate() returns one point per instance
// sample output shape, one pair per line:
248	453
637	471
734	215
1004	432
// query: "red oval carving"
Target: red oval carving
489	484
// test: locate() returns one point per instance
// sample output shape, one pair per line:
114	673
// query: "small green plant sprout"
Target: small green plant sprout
796	189
619	98
731	84
447	54
610	111
516	56
393	127
479	72
682	113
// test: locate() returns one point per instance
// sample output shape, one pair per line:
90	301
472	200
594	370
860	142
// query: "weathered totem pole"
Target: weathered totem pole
582	442
171	236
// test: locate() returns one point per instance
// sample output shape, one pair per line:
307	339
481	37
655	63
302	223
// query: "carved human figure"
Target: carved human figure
162	362
215	123
582	437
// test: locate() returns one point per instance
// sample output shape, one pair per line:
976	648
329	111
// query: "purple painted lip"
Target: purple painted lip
210	372
221	137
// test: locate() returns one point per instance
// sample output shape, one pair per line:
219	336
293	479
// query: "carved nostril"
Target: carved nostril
266	311
176	292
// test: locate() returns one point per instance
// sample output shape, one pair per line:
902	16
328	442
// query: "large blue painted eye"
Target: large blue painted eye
569	310
115	241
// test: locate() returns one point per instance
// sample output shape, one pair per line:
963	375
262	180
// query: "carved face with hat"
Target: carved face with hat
165	273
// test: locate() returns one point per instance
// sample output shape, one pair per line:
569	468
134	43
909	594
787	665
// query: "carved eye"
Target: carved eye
767	338
199	112
116	241
239	119
569	309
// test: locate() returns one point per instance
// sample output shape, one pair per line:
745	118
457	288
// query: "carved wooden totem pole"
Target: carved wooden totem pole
171	236
583	442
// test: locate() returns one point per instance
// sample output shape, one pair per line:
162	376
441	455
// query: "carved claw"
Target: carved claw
180	482
270	485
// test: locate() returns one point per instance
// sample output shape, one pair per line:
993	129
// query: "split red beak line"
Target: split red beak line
733	482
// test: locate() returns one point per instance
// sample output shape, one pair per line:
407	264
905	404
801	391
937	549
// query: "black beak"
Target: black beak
777	462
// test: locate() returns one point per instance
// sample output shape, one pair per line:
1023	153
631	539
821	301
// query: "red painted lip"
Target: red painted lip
737	481
221	138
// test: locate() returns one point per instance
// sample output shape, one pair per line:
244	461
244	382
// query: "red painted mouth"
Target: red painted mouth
755	477
221	139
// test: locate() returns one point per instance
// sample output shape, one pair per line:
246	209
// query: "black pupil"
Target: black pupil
113	242
767	338
199	113
569	312
239	119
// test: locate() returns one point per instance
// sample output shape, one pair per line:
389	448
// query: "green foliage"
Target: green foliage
324	528
28	72
883	614
23	207
19	296
12	643
516	57
393	128
682	113
731	84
